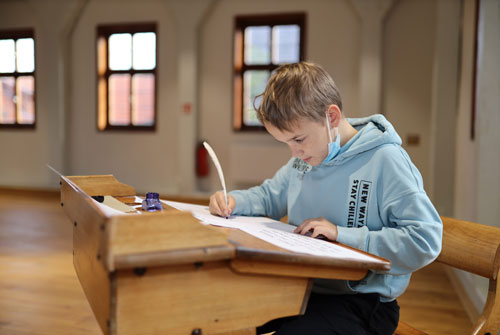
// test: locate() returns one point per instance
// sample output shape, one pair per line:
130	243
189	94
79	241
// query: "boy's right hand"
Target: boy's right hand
217	204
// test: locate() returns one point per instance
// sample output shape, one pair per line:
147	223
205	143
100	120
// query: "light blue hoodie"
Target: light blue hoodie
372	192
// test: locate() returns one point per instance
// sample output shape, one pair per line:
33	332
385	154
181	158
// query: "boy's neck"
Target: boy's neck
346	131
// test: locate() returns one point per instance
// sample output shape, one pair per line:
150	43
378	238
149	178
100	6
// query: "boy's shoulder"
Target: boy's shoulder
395	164
392	154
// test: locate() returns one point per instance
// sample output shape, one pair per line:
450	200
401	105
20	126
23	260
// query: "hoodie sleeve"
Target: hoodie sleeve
268	199
411	234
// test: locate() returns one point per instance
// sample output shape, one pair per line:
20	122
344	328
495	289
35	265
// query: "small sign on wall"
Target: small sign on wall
186	108
413	140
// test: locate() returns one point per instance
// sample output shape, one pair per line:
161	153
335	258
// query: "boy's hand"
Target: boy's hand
318	226
217	204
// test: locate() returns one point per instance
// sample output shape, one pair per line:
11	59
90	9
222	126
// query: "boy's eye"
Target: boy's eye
299	140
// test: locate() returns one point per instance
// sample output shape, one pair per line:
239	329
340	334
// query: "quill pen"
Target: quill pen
212	154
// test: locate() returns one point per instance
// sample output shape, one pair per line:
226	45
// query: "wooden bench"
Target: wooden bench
474	248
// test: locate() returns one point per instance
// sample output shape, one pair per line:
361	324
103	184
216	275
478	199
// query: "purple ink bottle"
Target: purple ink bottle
152	202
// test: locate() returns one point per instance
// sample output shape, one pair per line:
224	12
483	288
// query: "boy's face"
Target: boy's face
307	140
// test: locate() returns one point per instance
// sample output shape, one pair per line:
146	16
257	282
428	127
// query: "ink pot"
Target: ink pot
152	202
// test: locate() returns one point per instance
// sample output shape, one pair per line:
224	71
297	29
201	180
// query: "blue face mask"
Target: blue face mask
333	147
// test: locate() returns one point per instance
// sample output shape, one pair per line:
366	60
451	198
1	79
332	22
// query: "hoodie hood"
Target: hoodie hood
373	131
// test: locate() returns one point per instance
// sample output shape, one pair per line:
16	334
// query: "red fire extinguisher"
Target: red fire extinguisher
201	160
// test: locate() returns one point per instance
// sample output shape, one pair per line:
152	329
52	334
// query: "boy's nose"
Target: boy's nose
296	152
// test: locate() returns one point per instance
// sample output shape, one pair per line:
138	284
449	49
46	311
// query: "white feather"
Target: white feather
212	154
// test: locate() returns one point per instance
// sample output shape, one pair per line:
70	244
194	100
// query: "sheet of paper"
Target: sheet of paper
117	204
111	206
285	238
202	213
272	231
108	211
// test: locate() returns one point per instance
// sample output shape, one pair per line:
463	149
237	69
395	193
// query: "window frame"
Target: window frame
106	30
239	67
16	34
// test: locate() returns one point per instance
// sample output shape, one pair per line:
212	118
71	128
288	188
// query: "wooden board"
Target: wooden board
134	237
89	251
478	246
102	185
297	270
249	247
210	297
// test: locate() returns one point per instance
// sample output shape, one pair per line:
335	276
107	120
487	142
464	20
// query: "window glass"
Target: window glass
120	51
25	51
257	45
143	99
7	98
119	99
25	99
7	56
254	84
102	102
286	44
144	48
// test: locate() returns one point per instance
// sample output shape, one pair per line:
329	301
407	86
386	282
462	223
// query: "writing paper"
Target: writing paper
272	231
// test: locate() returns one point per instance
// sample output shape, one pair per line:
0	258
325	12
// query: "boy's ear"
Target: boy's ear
334	114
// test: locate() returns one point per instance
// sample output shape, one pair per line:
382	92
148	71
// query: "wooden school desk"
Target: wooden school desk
166	273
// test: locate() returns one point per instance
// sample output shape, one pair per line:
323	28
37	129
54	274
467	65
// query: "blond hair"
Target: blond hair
297	91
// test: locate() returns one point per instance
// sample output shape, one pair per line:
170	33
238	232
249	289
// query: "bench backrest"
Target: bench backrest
474	248
470	246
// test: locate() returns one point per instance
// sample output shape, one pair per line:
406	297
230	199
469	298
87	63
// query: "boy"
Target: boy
350	181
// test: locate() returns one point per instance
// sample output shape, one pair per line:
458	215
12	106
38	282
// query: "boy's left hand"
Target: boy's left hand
318	226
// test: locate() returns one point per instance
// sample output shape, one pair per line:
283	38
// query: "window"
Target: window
261	44
17	79
126	77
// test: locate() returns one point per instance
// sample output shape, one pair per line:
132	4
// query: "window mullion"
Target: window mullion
107	75
271	45
131	102
107	100
16	98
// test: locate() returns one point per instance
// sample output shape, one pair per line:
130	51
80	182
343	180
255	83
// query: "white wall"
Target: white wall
24	153
445	74
488	118
333	41
66	134
146	160
488	114
466	159
407	73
